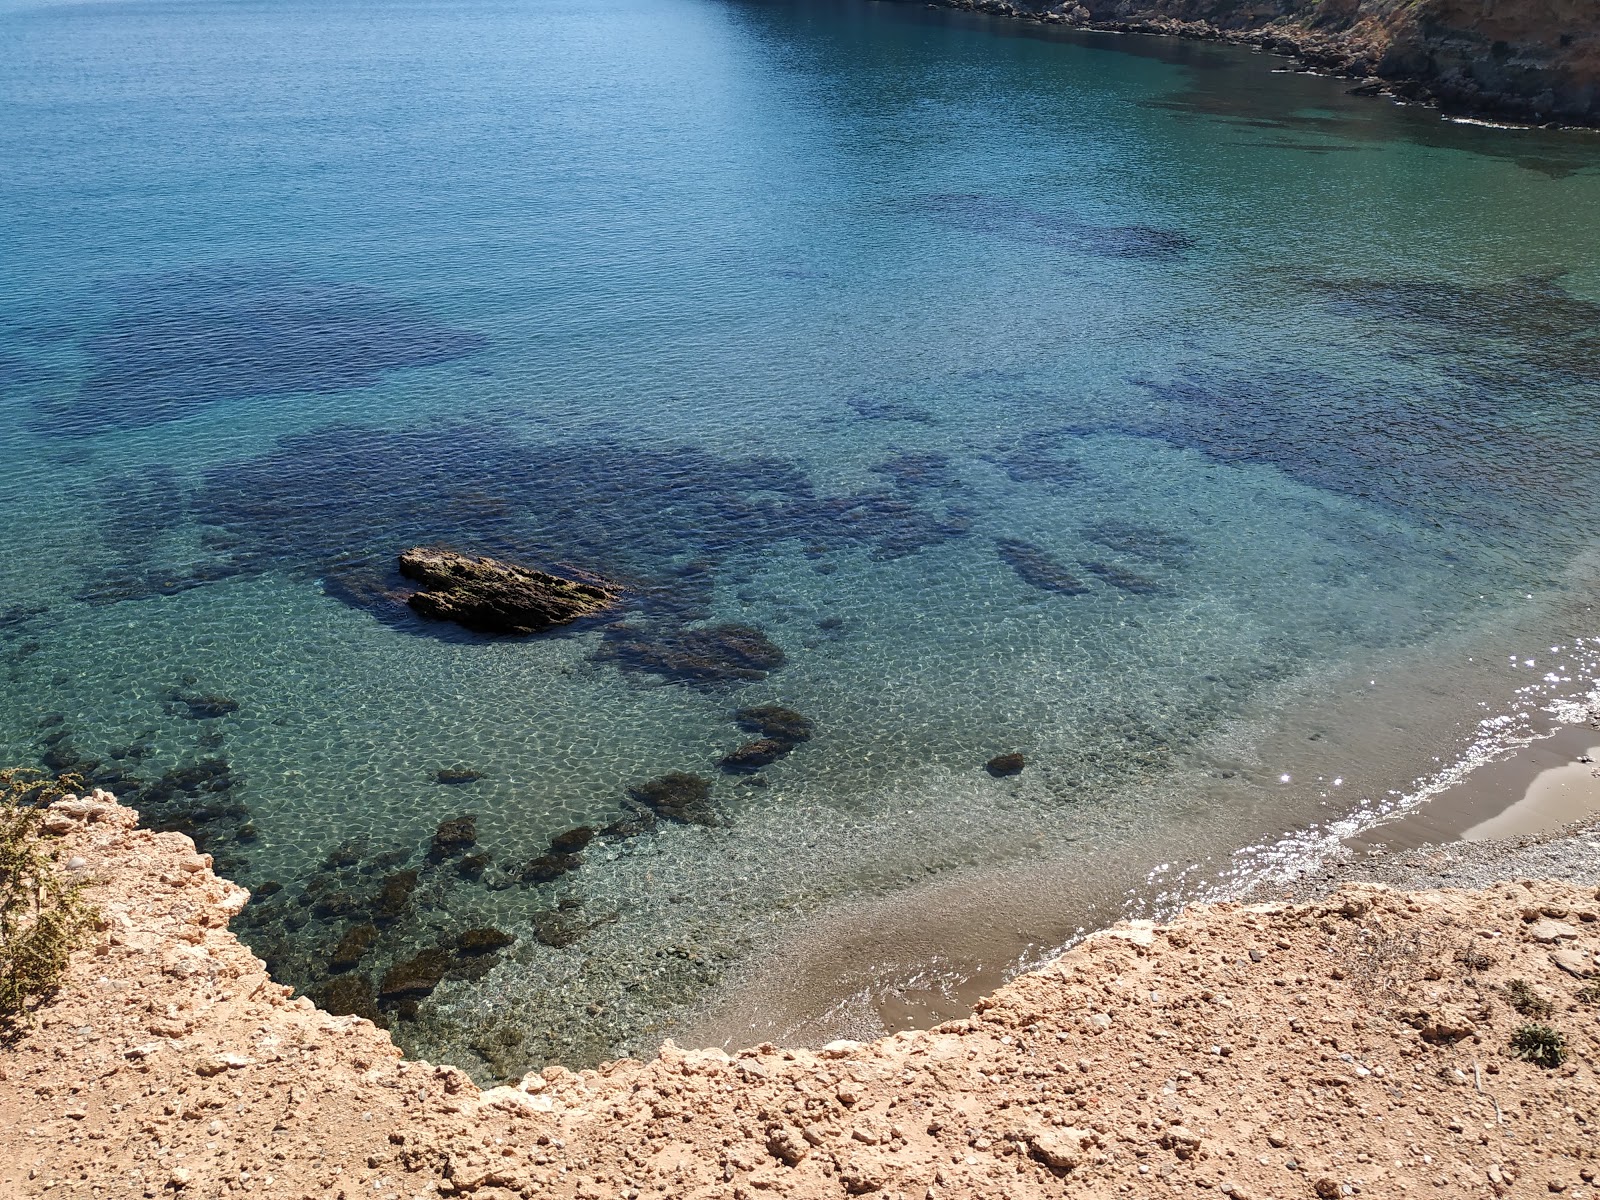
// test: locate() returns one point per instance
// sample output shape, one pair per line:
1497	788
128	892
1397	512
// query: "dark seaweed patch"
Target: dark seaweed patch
1141	541
1039	460
1036	567
1128	581
177	343
338	503
1439	453
882	408
1498	337
716	654
999	217
914	471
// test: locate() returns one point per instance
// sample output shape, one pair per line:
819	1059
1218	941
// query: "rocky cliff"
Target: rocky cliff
1366	1044
1530	60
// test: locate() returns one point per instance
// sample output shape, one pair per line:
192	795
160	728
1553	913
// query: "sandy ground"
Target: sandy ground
1359	1044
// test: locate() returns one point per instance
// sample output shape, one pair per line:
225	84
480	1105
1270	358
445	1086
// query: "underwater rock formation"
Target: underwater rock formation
714	654
776	722
752	756
677	796
1002	765
1034	566
490	596
452	837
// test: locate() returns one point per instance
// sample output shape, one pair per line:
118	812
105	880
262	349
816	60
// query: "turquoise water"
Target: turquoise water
1100	399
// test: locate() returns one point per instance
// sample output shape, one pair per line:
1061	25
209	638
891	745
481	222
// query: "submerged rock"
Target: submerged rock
352	947
572	841
482	941
752	756
393	895
715	654
415	977
677	796
452	837
200	706
490	596
349	995
776	722
547	868
1128	581
1002	765
1034	566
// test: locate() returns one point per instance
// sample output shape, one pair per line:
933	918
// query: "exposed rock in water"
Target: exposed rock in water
453	837
456	776
677	796
1002	765
776	722
752	756
352	946
714	654
1034	566
489	596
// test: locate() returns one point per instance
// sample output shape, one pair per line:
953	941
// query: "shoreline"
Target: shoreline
1237	1049
1337	53
914	959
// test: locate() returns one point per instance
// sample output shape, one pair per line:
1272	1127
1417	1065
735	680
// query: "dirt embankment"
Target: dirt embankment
1361	1045
1529	60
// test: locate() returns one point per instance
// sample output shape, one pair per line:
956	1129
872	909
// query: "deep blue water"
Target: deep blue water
1112	400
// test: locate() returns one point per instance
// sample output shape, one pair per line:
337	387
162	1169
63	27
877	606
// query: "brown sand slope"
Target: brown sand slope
1358	1046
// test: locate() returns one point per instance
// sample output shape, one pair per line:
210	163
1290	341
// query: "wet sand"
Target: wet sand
1535	789
918	958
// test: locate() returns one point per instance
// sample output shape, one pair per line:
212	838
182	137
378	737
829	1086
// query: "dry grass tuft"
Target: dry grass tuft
43	916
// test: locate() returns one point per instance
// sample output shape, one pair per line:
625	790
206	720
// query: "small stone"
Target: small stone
1549	931
218	1063
1063	1149
787	1145
1572	962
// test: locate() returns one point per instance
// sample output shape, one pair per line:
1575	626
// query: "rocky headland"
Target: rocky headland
1535	61
1373	1042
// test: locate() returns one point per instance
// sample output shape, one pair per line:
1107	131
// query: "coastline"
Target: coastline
1238	1050
925	955
1374	53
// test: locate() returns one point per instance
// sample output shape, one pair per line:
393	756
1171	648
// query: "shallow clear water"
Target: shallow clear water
1117	401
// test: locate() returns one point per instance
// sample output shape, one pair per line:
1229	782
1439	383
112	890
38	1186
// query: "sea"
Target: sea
933	387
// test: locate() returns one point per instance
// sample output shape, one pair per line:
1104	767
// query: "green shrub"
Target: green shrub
43	916
1540	1045
1520	995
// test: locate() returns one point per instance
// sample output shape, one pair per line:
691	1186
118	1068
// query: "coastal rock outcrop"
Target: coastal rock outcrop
1265	1050
1529	60
490	596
